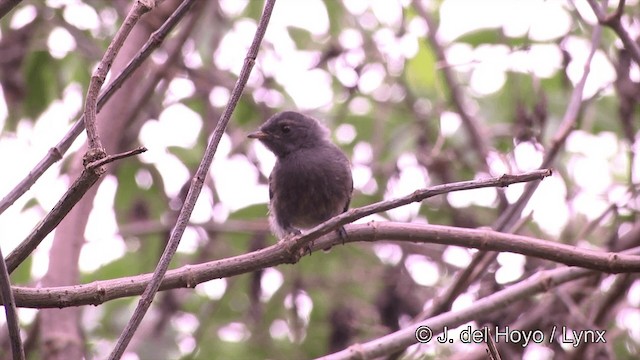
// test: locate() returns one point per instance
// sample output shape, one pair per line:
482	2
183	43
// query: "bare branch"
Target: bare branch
89	176
194	189
492	347
10	311
510	215
97	79
609	300
574	108
481	260
7	5
149	87
477	266
56	152
302	241
614	22
472	125
406	337
189	276
112	158
70	198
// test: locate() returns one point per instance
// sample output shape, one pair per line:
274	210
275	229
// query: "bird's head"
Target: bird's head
289	131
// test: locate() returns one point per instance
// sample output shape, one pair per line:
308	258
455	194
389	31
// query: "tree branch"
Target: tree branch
406	337
7	5
80	186
194	189
569	120
111	158
456	95
189	276
56	152
481	260
10	310
100	74
614	22
90	175
301	241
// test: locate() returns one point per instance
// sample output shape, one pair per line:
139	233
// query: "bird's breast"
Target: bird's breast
311	188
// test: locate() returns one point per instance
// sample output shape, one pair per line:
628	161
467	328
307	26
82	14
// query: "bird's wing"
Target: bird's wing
346	205
271	186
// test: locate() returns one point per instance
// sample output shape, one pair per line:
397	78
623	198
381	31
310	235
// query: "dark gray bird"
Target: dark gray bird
311	181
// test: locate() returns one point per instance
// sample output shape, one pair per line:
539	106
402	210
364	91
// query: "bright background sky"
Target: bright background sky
599	158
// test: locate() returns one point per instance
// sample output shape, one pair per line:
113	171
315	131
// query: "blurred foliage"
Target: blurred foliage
43	84
401	116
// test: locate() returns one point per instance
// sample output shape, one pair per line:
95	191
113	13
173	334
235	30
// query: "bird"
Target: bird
311	181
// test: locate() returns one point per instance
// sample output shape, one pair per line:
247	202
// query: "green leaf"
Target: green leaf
254	9
190	157
42	82
30	203
492	36
196	104
336	15
22	274
420	71
128	265
247	113
129	194
75	68
250	212
301	37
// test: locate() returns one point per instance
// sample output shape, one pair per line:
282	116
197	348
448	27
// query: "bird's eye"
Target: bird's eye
285	129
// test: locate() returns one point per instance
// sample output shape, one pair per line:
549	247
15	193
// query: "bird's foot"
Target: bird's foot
342	233
307	249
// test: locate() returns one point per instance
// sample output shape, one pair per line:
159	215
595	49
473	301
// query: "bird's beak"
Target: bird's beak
258	135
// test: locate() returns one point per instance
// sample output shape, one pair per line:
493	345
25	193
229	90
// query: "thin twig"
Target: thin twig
80	186
194	189
149	87
100	74
7	5
614	22
592	225
406	337
301	241
482	259
95	156
456	95
55	153
606	302
461	281
569	120
492	348
112	158
10	310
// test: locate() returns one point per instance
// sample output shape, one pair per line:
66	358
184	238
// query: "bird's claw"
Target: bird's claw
342	233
